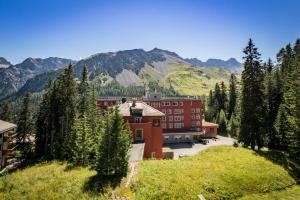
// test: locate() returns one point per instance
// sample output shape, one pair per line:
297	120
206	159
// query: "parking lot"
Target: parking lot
186	149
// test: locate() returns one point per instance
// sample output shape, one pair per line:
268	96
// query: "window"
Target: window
181	103
166	137
177	118
163	111
164	118
177	111
169	111
174	103
156	104
139	135
164	125
137	120
193	110
197	110
193	116
177	125
197	116
170	125
170	118
166	103
156	123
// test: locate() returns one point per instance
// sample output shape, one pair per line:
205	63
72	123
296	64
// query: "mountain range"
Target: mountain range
231	64
13	77
135	67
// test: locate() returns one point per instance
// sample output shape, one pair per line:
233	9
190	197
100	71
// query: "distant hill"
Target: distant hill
134	68
15	76
231	64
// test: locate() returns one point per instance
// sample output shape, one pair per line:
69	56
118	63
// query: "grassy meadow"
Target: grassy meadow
222	172
191	81
217	173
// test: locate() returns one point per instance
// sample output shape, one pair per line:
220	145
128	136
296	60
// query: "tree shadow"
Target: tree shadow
282	159
96	185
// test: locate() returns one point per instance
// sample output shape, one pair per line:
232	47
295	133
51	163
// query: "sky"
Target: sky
192	28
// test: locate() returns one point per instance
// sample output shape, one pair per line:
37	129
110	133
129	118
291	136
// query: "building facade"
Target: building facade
146	126
7	141
176	120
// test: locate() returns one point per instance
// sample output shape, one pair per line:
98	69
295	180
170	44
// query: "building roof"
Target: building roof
6	126
146	109
209	124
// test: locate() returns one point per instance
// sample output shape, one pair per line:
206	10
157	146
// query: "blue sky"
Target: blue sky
203	29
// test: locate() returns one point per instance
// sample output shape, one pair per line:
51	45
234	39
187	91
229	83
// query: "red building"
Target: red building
146	125
155	120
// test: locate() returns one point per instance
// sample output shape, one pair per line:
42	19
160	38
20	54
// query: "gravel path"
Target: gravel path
186	149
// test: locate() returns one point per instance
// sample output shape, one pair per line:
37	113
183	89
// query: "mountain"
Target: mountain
231	64
4	63
156	68
15	76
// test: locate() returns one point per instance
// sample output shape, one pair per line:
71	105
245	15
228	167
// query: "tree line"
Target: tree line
263	110
68	126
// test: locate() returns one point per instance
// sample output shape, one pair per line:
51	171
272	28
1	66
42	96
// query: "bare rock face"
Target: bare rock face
13	77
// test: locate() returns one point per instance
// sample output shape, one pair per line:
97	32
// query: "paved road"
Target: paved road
192	149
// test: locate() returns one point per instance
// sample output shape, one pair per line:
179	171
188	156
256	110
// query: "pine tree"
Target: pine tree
64	108
82	147
43	124
223	97
25	129
280	140
252	131
84	93
210	111
217	97
112	158
291	101
6	113
221	120
232	95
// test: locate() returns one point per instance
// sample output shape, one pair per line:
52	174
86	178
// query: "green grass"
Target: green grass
53	180
192	81
222	172
217	173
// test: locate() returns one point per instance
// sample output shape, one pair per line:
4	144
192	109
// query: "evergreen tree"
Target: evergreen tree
233	125
210	111
25	129
82	147
63	105
112	158
84	93
221	120
291	102
280	140
223	97
43	124
252	131
232	95
6	113
217	97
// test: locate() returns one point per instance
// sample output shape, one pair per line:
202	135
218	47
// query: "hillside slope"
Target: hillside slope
217	173
140	68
